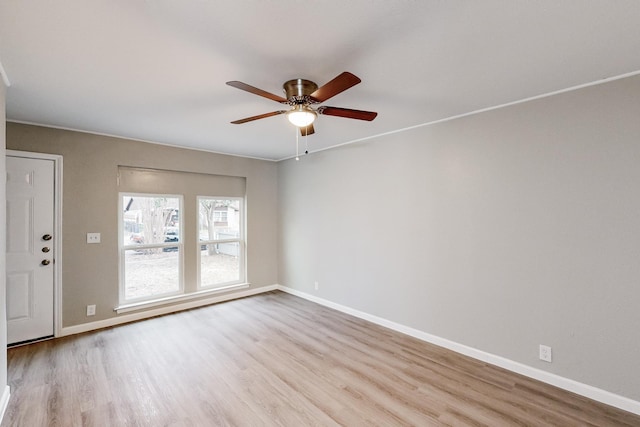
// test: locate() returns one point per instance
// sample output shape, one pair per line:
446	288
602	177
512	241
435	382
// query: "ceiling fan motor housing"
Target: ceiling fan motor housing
299	90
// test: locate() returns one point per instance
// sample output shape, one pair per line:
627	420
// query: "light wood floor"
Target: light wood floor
274	359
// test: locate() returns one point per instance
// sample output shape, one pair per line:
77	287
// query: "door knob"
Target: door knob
46	237
45	262
45	249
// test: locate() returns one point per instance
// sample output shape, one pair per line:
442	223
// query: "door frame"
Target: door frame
57	229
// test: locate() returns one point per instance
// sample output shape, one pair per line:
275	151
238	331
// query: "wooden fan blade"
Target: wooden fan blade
256	91
261	116
308	130
348	113
339	84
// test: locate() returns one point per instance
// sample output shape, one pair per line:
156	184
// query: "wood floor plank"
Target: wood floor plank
275	360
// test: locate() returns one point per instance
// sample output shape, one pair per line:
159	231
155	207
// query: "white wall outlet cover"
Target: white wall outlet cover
545	353
93	237
91	310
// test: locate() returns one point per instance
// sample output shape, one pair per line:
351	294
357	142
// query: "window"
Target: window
176	244
151	247
221	245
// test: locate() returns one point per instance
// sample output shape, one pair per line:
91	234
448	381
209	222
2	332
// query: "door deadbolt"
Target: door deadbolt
45	262
46	237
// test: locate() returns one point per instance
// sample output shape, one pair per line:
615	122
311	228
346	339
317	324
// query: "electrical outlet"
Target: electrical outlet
545	353
317	285
93	237
91	310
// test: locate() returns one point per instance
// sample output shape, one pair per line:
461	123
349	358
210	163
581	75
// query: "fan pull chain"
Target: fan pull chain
297	145
306	142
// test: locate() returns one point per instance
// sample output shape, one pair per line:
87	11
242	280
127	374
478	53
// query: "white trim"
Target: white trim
57	221
4	402
445	119
135	306
582	389
5	77
129	138
474	112
86	327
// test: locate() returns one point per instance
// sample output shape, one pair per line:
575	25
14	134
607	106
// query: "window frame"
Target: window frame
240	240
220	219
122	248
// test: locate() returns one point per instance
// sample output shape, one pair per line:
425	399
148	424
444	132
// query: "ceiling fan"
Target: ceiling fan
301	94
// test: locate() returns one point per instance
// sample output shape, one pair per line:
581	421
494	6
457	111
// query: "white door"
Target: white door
30	249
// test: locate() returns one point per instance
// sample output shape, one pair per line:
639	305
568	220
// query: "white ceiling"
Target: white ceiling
155	70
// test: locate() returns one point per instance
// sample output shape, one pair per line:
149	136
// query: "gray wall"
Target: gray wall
3	210
500	231
90	204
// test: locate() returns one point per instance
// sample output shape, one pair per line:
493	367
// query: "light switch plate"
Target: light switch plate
93	237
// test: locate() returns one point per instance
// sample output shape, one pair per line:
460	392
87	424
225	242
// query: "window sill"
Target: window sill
126	308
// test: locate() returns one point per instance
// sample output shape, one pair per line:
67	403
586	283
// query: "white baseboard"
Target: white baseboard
582	389
126	318
4	402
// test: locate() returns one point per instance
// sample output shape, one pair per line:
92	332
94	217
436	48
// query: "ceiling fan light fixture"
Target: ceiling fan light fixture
301	116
